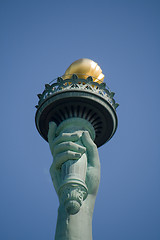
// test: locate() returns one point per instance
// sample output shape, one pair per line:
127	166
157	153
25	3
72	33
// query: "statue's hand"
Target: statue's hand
63	148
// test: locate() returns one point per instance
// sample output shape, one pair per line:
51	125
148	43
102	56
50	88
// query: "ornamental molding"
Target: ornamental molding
78	84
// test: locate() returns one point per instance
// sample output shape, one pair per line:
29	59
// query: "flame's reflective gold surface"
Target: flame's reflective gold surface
83	68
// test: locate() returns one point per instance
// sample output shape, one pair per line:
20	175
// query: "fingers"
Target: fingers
65	137
92	153
65	156
65	146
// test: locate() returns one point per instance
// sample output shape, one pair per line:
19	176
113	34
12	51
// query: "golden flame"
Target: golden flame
83	68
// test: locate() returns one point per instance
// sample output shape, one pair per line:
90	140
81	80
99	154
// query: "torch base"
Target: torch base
72	196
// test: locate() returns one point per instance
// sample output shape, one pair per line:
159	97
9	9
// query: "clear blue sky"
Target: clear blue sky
39	40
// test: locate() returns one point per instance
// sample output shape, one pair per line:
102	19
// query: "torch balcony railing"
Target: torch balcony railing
72	82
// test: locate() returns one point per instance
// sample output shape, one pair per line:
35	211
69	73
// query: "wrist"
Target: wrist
77	226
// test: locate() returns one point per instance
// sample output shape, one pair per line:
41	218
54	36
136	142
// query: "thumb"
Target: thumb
92	152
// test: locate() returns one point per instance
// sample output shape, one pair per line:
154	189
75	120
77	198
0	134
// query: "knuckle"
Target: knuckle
84	148
75	135
67	152
62	134
69	144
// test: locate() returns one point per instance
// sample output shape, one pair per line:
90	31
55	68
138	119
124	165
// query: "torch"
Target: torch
78	101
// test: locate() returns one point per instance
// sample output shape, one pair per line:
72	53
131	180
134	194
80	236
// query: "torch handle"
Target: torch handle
75	169
73	189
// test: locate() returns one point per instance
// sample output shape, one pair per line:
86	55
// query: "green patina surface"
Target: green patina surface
76	116
74	152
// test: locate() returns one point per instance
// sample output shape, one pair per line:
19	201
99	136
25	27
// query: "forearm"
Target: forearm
78	226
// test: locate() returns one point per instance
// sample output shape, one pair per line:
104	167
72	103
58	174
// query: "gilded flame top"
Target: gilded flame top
83	68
